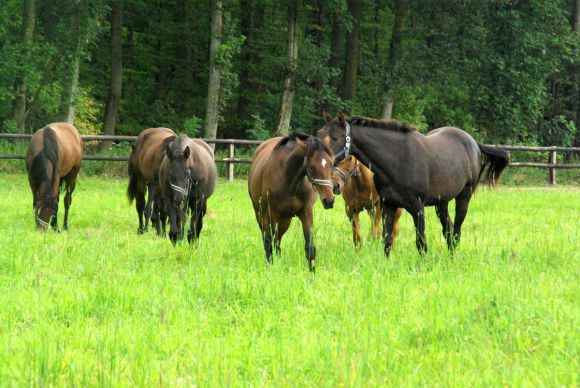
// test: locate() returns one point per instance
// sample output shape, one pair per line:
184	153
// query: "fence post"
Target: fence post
552	170
230	165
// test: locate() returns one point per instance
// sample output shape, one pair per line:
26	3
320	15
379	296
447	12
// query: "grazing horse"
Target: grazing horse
413	170
54	156
187	178
143	169
286	174
355	182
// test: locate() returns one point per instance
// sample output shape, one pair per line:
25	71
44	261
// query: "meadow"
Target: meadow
100	305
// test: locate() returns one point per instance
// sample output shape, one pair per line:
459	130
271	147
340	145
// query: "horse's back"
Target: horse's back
454	161
260	167
146	155
203	166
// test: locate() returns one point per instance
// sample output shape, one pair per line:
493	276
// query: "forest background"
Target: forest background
504	70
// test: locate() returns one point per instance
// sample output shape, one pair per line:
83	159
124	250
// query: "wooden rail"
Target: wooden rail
552	165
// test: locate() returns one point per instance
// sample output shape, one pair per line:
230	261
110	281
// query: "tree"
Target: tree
116	82
213	89
70	80
352	51
289	88
394	53
19	109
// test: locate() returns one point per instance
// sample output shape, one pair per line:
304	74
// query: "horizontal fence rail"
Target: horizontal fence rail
552	164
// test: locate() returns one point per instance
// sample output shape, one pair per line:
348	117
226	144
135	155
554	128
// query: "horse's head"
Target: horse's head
343	171
45	206
336	134
178	174
318	164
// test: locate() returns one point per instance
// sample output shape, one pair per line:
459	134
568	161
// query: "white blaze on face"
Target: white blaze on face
323	162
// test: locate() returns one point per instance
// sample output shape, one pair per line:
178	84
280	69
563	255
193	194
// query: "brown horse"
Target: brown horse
143	169
187	178
413	170
286	174
54	156
355	182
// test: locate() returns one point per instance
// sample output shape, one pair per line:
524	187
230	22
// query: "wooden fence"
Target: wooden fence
552	165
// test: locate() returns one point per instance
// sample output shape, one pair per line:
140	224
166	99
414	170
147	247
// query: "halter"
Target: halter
346	177
41	222
179	189
346	150
315	181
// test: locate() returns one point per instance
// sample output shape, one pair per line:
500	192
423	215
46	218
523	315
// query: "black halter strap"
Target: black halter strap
315	181
346	177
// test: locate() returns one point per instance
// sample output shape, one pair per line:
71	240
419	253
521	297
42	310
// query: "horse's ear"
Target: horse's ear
186	152
302	144
168	150
327	117
342	118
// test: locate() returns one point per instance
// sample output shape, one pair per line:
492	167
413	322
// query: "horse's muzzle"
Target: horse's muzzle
328	203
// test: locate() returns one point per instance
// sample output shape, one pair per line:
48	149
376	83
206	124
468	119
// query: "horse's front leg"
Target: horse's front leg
354	218
388	216
306	217
198	210
419	221
174	224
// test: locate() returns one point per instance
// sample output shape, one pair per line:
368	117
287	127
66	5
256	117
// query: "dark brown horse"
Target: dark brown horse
413	170
187	178
286	174
356	184
54	156
143	169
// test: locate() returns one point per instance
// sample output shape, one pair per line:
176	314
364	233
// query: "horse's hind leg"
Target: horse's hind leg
443	214
71	181
461	206
148	207
375	215
279	230
140	204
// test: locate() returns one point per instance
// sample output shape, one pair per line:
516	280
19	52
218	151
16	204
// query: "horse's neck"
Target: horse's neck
294	168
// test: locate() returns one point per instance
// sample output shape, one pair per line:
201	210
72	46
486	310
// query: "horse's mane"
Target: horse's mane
313	142
389	125
39	164
292	137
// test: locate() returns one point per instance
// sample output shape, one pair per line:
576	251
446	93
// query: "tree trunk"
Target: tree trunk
320	22
70	79
19	108
576	70
246	60
352	51
288	95
213	89
116	82
394	54
336	42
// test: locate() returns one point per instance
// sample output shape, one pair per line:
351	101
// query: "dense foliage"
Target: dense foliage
505	70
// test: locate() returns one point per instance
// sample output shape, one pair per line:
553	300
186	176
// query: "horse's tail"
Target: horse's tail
132	188
495	160
39	164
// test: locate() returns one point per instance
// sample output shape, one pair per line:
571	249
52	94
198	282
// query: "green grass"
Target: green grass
100	305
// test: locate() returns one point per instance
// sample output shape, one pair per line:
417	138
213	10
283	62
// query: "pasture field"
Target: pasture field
100	305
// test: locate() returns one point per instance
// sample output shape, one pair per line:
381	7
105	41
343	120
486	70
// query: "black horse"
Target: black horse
413	170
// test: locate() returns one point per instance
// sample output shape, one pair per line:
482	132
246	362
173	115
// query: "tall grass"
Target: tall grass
100	305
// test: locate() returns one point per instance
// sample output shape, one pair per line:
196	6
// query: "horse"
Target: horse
413	170
355	182
143	170
187	178
286	175
54	156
